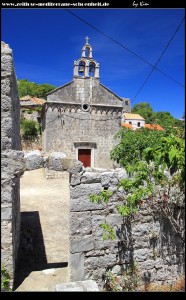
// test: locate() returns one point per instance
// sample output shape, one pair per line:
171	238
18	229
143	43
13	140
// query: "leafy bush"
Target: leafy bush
5	280
29	129
148	156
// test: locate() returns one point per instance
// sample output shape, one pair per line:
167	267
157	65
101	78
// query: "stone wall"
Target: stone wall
12	162
30	115
29	145
146	240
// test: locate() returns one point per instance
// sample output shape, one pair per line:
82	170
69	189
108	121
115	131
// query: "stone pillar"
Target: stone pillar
75	68
90	54
86	69
12	162
97	71
83	52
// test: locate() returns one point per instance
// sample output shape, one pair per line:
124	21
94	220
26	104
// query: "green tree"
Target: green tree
165	119
145	110
33	89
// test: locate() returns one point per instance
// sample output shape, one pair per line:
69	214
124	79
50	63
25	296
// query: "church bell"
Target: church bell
81	69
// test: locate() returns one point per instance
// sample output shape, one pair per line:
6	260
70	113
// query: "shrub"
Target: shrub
5	280
29	129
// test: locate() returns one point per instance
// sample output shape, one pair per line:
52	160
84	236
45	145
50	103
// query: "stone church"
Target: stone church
82	116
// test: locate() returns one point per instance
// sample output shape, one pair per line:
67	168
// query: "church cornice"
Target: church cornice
77	108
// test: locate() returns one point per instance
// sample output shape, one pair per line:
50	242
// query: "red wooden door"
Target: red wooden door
84	155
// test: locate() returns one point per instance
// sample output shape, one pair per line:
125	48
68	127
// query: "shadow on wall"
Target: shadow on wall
174	246
32	255
125	246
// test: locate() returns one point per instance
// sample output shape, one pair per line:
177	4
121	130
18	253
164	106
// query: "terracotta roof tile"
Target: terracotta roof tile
35	100
126	125
26	98
38	100
154	126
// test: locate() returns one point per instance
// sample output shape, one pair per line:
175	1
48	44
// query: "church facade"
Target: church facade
82	117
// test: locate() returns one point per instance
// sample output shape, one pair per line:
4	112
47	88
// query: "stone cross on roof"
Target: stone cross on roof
87	38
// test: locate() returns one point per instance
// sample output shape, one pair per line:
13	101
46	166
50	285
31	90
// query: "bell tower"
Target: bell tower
86	66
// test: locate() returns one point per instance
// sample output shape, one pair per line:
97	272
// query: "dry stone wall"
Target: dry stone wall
146	241
12	161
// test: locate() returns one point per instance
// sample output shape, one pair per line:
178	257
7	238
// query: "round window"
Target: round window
86	107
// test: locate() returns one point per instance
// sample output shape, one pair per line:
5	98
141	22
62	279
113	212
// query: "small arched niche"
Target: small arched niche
87	51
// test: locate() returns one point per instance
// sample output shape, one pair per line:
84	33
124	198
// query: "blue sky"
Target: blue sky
46	42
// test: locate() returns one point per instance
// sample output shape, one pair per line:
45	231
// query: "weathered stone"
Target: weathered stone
12	164
109	178
6	194
76	266
140	229
80	223
34	160
159	263
78	286
141	243
6	234
148	264
92	262
77	167
162	274
99	170
122	174
141	254
98	276
118	196
89	177
107	260
5	84
94	253
81	244
99	244
96	221
6	126
114	220
75	179
116	269
55	161
6	213
85	190
84	204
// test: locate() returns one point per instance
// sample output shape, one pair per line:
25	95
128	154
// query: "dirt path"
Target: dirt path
44	247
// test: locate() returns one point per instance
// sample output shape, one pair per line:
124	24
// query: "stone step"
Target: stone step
78	286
